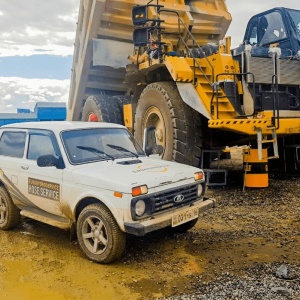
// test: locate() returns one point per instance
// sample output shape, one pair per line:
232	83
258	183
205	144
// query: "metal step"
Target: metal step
215	177
46	217
273	157
261	141
267	141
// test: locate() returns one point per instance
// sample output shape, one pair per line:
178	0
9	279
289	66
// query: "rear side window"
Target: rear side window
12	144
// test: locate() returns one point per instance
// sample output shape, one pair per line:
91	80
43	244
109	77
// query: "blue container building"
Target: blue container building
43	111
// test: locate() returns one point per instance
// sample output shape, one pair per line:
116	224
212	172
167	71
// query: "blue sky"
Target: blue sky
37	66
36	48
37	42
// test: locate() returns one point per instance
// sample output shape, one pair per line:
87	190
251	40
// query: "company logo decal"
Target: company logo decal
151	168
178	198
45	189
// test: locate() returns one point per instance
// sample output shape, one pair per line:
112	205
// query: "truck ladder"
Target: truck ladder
204	77
261	140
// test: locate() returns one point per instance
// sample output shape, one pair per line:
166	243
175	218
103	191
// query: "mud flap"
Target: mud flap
191	98
248	100
73	233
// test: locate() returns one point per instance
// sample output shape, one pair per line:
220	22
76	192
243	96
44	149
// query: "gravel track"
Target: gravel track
256	233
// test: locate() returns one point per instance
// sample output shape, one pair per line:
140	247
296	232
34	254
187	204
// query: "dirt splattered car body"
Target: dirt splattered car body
94	177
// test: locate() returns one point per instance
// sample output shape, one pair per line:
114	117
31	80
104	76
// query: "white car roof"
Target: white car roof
58	126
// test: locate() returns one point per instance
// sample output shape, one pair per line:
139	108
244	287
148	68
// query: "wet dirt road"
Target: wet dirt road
255	226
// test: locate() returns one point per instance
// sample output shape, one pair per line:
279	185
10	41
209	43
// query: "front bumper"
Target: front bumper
165	220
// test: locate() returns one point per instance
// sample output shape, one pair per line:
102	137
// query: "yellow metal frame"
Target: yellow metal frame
249	126
179	69
128	121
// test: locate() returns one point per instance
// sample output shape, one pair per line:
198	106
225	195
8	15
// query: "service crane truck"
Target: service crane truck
168	65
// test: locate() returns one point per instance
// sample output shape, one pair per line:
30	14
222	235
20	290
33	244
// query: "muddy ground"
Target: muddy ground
249	230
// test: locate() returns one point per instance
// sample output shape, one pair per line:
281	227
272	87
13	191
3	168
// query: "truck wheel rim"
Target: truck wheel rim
153	117
94	235
93	118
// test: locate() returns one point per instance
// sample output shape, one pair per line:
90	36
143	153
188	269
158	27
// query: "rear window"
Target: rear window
12	144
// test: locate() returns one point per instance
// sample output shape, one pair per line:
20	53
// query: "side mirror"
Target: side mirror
157	149
150	145
149	139
47	161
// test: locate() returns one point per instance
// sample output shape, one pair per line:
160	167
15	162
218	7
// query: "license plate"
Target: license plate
184	217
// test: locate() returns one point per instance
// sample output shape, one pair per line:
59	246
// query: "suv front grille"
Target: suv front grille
166	200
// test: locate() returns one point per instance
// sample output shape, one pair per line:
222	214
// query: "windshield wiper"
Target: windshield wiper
94	150
121	149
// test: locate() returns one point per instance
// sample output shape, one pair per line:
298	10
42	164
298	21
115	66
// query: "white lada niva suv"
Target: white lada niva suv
95	180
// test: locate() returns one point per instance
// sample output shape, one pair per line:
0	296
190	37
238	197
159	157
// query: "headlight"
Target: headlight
140	208
199	190
198	176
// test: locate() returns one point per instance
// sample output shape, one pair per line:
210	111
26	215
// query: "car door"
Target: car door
39	184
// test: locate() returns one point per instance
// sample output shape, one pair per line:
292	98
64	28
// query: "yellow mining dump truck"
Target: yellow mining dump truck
167	65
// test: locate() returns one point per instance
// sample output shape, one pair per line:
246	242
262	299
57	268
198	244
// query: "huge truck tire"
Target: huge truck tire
101	108
121	100
178	127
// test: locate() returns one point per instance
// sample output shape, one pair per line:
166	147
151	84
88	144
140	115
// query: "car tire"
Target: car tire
99	236
9	213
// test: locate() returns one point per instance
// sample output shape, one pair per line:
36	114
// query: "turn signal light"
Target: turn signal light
118	194
198	176
139	190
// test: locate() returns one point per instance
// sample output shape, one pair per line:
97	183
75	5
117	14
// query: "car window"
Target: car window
252	32
272	28
12	143
96	144
295	15
39	145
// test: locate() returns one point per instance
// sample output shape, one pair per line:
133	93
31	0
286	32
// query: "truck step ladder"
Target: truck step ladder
213	176
261	140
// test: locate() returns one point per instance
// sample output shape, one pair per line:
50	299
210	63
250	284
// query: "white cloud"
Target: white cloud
24	93
7	97
35	26
48	27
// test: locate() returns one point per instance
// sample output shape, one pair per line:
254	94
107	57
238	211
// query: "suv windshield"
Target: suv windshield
96	144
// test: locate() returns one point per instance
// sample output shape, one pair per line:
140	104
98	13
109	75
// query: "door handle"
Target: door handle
25	167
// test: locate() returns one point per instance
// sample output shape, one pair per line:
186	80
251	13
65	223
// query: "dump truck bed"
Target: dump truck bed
104	41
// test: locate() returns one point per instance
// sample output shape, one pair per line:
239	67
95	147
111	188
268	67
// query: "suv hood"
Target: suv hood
123	174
